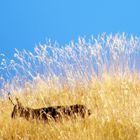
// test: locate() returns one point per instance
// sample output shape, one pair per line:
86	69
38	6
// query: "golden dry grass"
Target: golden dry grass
114	101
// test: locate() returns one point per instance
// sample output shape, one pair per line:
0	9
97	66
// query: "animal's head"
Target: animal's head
89	112
17	109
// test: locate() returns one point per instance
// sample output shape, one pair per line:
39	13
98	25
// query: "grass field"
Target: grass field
102	74
115	105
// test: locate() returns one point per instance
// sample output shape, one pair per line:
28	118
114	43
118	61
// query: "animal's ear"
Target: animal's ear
18	103
10	98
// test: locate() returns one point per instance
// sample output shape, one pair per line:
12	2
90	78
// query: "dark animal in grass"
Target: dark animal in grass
49	113
73	111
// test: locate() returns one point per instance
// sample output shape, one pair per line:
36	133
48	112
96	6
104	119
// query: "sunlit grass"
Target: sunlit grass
102	74
115	112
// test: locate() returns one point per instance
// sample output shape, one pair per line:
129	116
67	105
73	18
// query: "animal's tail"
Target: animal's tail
10	98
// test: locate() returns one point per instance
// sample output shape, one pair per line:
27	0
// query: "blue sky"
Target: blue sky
25	23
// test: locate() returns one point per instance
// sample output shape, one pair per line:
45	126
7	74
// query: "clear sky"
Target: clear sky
25	23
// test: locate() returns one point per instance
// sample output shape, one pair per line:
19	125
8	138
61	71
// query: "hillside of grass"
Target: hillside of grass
101	73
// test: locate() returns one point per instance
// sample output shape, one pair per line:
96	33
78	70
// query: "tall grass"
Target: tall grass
101	73
73	63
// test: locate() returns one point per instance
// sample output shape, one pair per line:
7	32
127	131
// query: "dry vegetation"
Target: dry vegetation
115	105
101	74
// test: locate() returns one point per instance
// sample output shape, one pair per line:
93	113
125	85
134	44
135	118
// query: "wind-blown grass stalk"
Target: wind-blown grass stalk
72	64
101	73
